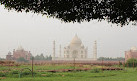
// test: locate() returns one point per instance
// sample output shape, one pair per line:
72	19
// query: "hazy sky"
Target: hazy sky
36	33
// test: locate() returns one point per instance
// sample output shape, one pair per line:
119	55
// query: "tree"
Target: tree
37	57
130	62
2	58
116	11
49	57
21	59
41	57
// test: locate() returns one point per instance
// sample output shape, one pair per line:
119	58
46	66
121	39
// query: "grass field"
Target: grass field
12	74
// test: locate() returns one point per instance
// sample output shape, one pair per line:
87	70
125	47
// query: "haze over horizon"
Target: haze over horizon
36	33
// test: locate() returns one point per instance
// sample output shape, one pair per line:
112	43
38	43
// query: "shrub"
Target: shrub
15	72
130	62
120	63
96	70
26	73
2	75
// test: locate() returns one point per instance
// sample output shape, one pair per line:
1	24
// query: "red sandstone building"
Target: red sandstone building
132	53
20	52
9	56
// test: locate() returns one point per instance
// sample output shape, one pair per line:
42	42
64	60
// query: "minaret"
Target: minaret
53	50
95	51
60	51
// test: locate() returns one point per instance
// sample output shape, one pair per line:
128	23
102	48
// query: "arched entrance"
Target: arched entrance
75	54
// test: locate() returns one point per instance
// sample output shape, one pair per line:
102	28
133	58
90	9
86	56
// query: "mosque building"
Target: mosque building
132	53
20	52
76	50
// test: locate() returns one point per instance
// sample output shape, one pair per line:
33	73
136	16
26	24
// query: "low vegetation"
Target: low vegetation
111	59
67	72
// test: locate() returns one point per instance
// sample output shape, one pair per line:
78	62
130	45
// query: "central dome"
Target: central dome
75	40
134	49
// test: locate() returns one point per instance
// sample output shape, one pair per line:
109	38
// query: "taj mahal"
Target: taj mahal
75	50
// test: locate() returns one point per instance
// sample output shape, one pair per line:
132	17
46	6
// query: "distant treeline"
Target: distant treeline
111	59
2	58
37	57
42	57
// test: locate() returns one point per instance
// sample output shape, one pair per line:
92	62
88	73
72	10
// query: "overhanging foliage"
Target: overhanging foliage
116	11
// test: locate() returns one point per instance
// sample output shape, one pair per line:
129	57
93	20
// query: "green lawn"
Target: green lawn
126	75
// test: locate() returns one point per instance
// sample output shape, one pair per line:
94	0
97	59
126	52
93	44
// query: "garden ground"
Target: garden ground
40	74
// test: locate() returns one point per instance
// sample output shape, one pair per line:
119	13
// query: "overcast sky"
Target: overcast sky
36	33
